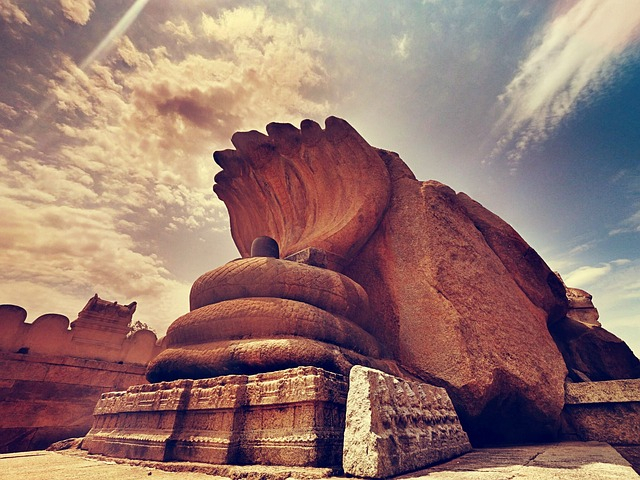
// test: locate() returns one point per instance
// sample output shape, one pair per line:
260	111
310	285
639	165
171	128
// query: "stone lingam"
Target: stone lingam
353	268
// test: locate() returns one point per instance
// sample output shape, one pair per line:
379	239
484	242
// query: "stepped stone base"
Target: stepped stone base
395	426
606	411
292	417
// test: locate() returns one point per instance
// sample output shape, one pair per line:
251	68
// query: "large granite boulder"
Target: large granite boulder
459	315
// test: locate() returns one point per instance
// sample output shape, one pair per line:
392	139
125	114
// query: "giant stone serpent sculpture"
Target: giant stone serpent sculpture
258	313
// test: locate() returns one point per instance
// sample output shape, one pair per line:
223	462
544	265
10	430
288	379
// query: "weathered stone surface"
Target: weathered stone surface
250	356
103	323
395	426
266	317
318	258
46	398
604	411
291	173
552	461
455	316
291	417
614	391
526	267
591	352
270	277
53	373
262	314
565	461
581	300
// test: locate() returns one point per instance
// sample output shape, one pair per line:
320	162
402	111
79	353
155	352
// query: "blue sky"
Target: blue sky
110	111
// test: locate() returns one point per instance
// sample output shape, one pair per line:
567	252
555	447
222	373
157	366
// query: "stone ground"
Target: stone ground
631	454
560	461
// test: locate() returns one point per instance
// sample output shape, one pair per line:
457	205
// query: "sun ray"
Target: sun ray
115	33
101	49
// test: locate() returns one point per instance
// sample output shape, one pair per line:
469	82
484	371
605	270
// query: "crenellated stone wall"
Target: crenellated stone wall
100	332
52	372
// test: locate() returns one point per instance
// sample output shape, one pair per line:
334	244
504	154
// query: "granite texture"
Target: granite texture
395	426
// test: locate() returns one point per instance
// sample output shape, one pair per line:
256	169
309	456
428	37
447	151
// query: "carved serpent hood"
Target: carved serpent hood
311	187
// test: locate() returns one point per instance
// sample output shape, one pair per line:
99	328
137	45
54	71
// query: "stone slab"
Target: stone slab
395	426
290	417
556	461
604	411
612	391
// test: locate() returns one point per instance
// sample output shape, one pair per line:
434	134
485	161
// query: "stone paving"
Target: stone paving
561	461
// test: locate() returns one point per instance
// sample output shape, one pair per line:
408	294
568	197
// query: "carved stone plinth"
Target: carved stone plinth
292	417
395	426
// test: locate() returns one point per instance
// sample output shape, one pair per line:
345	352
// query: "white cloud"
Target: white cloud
78	11
582	248
181	30
576	55
401	46
12	13
584	276
628	225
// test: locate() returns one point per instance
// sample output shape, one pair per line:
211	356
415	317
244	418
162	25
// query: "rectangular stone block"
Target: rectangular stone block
604	411
395	426
292	417
612	391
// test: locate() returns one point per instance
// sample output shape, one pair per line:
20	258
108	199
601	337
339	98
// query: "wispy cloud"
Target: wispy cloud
78	11
585	276
630	224
401	45
576	56
10	13
102	201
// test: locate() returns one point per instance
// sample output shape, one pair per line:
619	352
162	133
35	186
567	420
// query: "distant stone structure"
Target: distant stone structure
591	352
53	373
378	270
101	332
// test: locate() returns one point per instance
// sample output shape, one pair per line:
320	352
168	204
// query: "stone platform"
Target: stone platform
566	461
376	425
289	417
